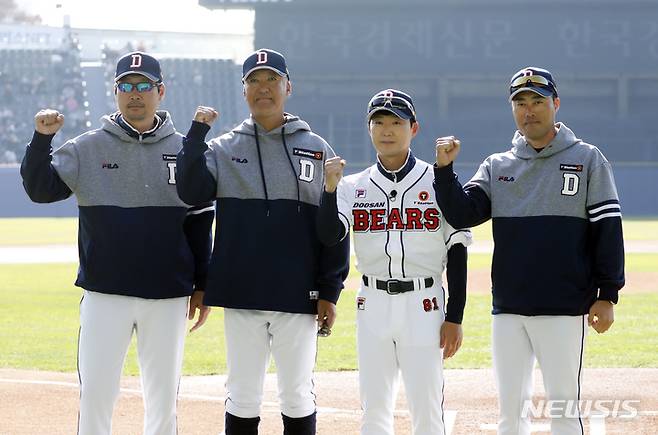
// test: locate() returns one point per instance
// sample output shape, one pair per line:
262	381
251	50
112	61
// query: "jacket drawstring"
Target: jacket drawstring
262	173
292	166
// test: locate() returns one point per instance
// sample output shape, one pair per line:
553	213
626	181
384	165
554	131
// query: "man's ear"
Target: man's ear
161	91
415	126
288	87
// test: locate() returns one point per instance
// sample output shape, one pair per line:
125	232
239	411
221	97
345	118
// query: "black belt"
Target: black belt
395	286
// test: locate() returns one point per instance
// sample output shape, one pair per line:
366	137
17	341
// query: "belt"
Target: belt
395	286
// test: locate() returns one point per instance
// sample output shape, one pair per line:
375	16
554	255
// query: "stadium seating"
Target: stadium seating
615	113
34	79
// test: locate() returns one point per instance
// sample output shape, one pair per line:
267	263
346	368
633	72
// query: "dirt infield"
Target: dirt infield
44	402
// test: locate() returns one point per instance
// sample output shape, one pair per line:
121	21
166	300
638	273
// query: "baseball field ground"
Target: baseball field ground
39	326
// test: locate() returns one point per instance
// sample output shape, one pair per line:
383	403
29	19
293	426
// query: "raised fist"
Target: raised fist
333	172
48	121
447	148
205	114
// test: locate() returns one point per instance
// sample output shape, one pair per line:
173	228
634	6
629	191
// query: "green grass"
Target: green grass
38	231
39	328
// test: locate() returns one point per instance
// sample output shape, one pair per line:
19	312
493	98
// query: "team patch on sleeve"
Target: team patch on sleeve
317	155
604	210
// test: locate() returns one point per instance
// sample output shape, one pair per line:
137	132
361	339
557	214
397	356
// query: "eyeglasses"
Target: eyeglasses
392	102
534	79
141	87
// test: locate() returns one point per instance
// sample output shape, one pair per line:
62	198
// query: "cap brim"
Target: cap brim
281	73
544	92
141	73
395	111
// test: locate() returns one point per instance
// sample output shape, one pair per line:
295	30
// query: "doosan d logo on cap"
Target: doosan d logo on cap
139	63
265	59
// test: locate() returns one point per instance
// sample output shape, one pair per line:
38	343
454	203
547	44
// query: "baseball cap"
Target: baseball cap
537	80
138	63
265	59
394	101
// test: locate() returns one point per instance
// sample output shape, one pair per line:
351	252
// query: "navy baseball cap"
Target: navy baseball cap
533	79
265	59
393	101
139	63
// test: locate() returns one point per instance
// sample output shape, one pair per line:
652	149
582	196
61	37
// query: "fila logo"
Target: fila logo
506	179
239	160
360	193
414	219
137	61
110	165
262	57
360	303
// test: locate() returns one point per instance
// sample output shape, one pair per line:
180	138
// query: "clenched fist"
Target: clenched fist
333	172
48	121
205	114
447	148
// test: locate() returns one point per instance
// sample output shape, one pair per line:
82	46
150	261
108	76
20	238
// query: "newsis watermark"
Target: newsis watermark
601	408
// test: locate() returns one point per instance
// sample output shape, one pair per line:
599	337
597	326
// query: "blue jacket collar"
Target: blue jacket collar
400	173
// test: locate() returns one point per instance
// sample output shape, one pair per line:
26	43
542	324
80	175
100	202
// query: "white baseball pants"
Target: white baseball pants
557	343
251	337
400	334
107	323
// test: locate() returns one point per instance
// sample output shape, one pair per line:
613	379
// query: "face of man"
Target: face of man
266	93
391	136
534	116
138	107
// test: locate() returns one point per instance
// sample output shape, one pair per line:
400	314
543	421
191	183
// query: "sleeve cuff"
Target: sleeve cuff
329	197
454	319
198	131
444	174
41	141
330	295
611	295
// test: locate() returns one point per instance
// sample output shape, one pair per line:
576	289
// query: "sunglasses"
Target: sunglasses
536	80
141	87
392	102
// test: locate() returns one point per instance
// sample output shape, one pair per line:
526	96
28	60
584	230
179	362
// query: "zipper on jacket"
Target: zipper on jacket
292	166
262	173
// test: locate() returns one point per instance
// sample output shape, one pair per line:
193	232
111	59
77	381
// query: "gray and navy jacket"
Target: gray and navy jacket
267	184
135	236
558	243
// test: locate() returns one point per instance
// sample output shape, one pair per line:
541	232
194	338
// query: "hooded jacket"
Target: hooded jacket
558	243
135	237
267	185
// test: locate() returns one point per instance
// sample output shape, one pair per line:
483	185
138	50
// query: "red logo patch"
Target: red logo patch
423	195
